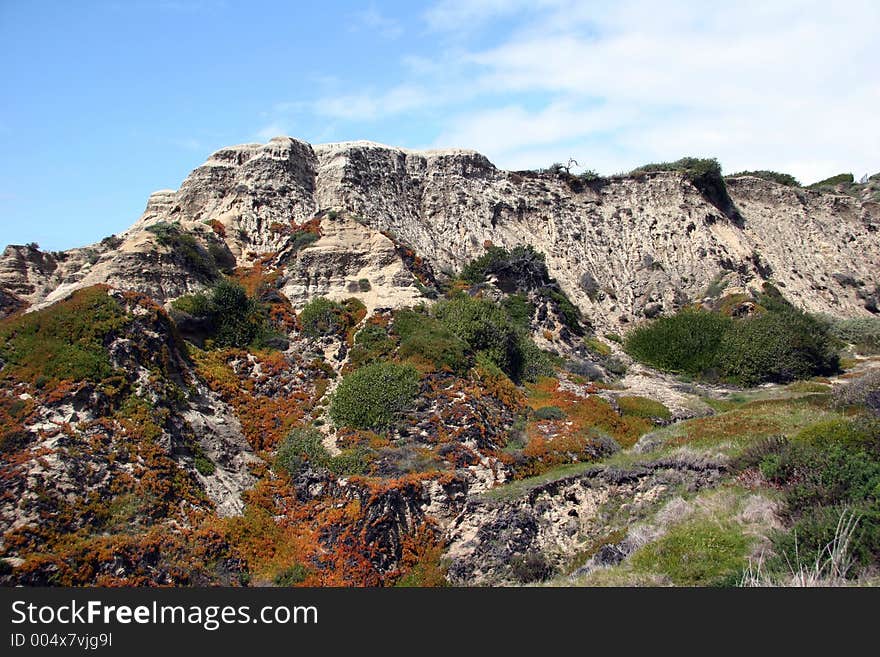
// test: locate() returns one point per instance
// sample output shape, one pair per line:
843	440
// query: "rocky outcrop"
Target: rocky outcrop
529	536
622	248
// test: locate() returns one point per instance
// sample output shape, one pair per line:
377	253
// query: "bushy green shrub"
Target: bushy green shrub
371	343
65	340
692	166
522	268
197	305
233	318
776	346
519	309
373	396
238	319
320	317
833	181
302	446
488	329
295	574
781	344
185	245
862	333
826	468
549	413
426	338
485	327
773	176
354	461
302	239
364	285
686	342
204	465
323	317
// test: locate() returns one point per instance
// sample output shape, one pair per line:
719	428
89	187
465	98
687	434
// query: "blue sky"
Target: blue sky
106	101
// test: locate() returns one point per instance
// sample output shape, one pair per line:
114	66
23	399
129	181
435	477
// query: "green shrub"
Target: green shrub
186	246
519	309
197	305
295	574
536	363
371	343
302	446
597	347
64	341
826	468
204	465
302	239
486	328
833	181
364	285
781	344
426	338
354	461
686	342
549	413
239	320
692	166
816	529
773	176
776	346
520	268
323	317
234	319
568	312
643	407
373	396
320	317
862	333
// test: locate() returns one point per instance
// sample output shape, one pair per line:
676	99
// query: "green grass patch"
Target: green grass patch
699	553
643	407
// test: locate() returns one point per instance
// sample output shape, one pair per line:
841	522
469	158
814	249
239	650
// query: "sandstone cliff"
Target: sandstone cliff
621	248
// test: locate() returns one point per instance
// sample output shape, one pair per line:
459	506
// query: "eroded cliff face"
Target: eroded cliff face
621	248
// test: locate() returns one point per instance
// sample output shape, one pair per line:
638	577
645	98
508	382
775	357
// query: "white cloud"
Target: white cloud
463	15
372	20
788	85
791	84
369	106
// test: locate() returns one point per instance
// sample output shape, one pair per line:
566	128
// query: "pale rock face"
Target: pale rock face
346	254
622	249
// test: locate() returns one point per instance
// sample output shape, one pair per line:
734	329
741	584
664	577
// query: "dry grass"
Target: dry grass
830	567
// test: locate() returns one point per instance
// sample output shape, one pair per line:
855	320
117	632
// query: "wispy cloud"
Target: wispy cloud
373	21
370	106
789	85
